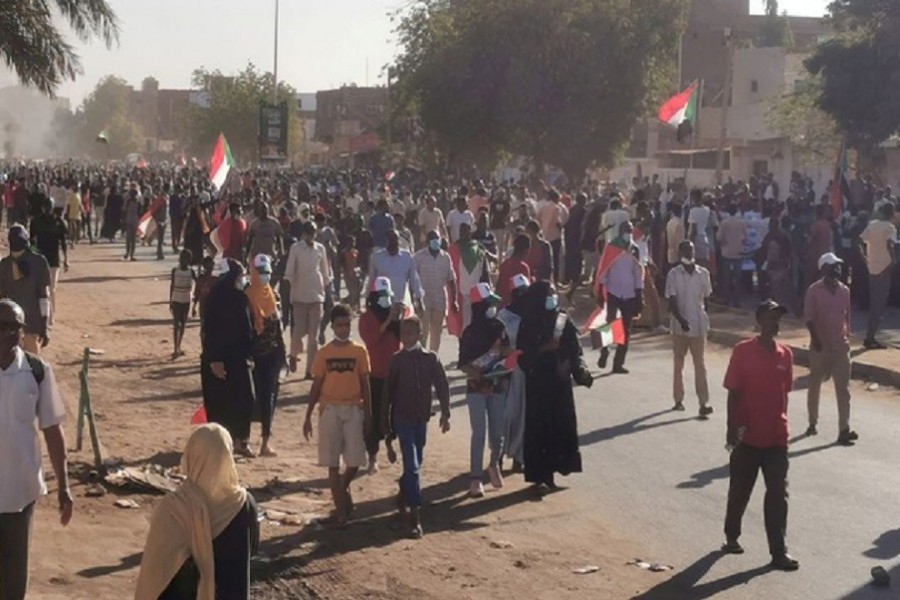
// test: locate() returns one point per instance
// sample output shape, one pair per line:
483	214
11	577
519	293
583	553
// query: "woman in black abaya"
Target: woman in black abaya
551	358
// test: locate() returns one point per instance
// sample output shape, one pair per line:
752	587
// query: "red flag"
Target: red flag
199	417
610	253
512	360
455	319
597	319
618	331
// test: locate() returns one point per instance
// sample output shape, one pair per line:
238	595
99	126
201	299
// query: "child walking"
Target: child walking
181	287
341	389
407	410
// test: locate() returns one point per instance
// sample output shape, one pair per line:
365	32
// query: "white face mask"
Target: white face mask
687	261
265	278
343	339
491	312
385	302
626	237
241	282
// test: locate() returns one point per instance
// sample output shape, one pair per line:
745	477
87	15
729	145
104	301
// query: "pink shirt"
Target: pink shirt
830	315
551	219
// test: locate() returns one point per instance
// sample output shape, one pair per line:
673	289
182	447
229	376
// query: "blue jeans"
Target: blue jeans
487	415
411	438
732	271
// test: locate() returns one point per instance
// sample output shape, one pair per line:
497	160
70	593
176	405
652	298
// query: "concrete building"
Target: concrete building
160	115
348	120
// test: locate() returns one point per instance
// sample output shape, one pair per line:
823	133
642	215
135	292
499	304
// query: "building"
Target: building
348	119
160	115
311	152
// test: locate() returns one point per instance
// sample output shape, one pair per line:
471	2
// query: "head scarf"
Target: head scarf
261	298
481	334
187	521
537	322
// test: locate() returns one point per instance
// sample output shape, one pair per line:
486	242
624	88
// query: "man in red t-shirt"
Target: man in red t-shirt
759	377
514	265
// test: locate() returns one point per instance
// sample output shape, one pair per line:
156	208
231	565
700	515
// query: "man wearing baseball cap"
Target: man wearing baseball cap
827	315
759	377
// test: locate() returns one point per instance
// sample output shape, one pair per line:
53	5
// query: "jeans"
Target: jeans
732	268
745	463
879	290
130	240
411	439
266	371
487	416
160	236
15	535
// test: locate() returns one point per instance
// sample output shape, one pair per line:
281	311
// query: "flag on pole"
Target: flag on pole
103	137
220	163
612	333
681	108
840	187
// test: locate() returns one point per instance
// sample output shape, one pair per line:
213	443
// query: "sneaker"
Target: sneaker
662	329
604	357
732	547
785	562
496	477
476	490
705	411
811	431
847	438
873	345
678	406
620	370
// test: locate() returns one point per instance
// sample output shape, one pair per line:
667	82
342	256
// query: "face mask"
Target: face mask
435	245
384	302
241	282
265	278
626	237
491	312
551	303
417	346
687	261
342	339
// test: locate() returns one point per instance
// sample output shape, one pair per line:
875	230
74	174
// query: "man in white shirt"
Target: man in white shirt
431	219
436	275
309	273
698	222
612	219
553	216
28	391
687	287
459	216
732	236
877	246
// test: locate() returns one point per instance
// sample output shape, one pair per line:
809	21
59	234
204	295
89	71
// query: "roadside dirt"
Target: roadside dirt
507	544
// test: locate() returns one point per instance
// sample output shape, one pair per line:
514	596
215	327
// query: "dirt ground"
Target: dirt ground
505	545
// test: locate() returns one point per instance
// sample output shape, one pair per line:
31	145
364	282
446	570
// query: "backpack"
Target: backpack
37	367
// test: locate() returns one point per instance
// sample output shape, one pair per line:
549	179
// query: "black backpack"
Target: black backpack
37	367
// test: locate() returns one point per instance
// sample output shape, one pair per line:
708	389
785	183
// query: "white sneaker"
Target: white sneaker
476	490
662	329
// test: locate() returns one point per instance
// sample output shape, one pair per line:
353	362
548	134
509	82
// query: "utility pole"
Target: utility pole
726	100
390	118
275	70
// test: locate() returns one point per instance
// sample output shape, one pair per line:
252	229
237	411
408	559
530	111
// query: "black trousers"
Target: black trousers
745	463
15	535
556	245
614	307
160	237
266	371
375	433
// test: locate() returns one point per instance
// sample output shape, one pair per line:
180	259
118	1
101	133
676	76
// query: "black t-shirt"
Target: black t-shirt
500	209
49	235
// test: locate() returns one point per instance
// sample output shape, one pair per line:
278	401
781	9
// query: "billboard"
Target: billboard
273	132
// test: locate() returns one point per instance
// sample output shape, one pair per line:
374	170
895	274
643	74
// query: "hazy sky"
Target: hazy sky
323	43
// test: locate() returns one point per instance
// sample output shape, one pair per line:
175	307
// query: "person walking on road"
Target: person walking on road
438	280
25	279
623	284
687	288
877	247
759	377
309	273
29	394
827	316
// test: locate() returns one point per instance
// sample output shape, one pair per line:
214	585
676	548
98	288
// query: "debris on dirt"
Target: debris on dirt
126	503
501	545
283	518
95	491
147	479
520	564
96	352
586	570
872	387
655	567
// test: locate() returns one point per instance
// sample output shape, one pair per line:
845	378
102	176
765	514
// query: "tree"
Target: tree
796	115
860	70
33	47
775	30
107	108
559	81
232	108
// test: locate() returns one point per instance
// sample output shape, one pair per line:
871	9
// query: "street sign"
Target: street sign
273	132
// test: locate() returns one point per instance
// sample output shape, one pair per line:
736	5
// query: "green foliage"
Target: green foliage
559	81
860	70
107	107
234	103
797	116
775	30
33	46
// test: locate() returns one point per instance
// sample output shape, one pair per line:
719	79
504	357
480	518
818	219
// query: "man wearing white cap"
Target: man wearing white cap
436	275
827	315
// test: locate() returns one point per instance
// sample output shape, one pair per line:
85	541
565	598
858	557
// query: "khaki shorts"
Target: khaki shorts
341	434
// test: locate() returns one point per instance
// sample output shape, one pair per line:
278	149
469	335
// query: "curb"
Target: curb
859	370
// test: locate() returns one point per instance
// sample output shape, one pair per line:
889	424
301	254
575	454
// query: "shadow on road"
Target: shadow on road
867	591
685	585
628	428
886	546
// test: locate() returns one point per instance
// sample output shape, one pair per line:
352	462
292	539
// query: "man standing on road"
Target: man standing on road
500	212
265	235
431	219
48	235
398	266
759	378
456	218
687	288
553	216
827	316
380	223
877	247
436	275
623	283
28	390
309	273
732	236
25	279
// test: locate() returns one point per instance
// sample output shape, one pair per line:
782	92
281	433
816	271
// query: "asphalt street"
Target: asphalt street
662	478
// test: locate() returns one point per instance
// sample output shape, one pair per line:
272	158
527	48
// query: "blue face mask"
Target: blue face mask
491	312
265	278
435	245
552	302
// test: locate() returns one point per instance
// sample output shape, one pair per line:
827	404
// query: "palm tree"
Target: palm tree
33	47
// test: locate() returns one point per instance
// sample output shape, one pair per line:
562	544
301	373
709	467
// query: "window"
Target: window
754	86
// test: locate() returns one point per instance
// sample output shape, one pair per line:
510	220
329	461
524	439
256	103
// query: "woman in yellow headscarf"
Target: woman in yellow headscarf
269	353
202	535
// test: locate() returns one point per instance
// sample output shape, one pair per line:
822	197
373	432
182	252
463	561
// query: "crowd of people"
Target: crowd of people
289	254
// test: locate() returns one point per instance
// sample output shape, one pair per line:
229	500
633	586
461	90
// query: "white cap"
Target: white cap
519	281
829	258
382	284
263	263
482	293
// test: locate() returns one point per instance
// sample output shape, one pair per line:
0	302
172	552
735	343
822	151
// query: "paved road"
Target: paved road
662	477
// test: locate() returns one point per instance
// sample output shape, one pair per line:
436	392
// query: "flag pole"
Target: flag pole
694	125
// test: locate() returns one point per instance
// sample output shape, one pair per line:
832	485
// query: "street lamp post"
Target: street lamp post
275	70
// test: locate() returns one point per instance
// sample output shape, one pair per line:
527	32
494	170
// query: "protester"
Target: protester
459	217
500	210
131	218
269	353
407	410
732	236
25	279
196	228
264	236
551	357
380	223
674	236
431	219
206	279
309	273
540	256
30	394
759	377
688	287
470	264
227	342
511	316
511	267
203	534
699	219
827	315
181	285
573	231
397	265
623	289
877	245
341	388
482	348
231	233
48	236
379	328
438	281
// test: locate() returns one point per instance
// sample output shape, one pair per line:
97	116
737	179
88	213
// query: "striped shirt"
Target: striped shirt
182	285
435	272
